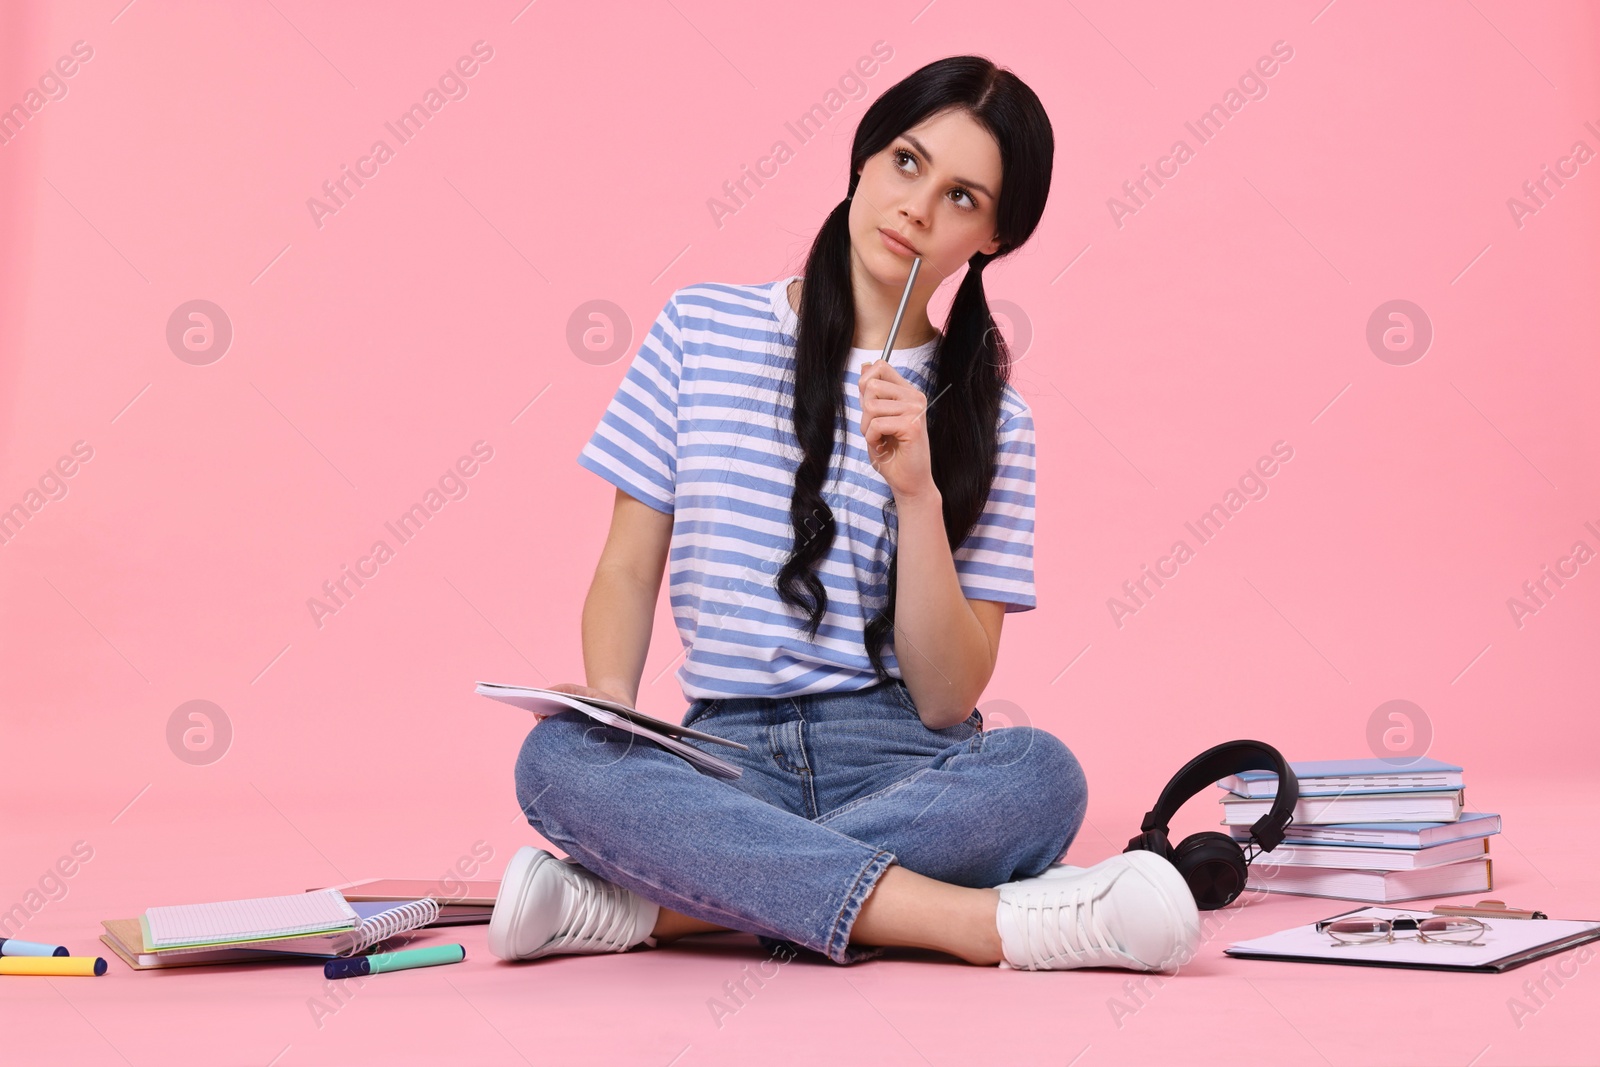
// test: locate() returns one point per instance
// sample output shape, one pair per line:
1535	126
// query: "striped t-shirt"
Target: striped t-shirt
701	428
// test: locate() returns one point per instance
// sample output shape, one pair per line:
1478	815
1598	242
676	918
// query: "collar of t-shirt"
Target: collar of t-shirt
901	359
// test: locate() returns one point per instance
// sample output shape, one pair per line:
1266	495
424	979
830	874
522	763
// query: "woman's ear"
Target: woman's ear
992	247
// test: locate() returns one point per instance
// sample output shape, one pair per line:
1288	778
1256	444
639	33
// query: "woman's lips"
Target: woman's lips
895	244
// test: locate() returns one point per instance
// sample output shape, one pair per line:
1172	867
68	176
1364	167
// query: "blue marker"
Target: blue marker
378	962
10	946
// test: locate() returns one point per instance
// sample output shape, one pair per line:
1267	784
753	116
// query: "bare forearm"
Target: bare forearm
618	616
942	648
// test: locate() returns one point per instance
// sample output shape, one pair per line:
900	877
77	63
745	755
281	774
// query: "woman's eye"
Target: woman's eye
971	203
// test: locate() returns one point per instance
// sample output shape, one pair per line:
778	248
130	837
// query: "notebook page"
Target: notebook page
253	918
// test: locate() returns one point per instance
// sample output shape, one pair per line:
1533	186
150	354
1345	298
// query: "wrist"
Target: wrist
618	691
929	499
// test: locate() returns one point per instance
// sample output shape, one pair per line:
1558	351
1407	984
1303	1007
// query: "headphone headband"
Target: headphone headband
1218	762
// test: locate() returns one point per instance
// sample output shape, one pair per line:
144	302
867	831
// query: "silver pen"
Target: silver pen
900	311
894	328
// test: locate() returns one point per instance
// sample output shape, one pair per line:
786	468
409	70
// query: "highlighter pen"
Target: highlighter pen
10	946
53	965
378	962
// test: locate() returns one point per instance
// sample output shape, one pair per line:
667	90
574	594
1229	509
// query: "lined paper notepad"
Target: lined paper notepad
254	919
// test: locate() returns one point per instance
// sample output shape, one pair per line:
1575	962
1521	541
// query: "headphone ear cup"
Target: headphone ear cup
1213	865
1151	841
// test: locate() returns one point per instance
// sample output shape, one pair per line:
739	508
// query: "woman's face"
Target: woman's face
935	185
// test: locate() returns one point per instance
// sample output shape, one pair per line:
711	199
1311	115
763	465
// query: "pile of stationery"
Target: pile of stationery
321	924
1366	829
340	925
333	924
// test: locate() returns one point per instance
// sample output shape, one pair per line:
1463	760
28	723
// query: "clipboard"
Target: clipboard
1508	943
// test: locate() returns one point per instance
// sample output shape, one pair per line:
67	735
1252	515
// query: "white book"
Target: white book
1374	859
1406	806
1374	887
546	702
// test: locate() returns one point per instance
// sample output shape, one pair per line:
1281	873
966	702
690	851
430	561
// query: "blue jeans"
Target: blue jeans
836	787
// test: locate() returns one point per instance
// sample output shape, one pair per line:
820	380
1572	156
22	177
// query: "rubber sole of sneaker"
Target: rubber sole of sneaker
1177	902
516	886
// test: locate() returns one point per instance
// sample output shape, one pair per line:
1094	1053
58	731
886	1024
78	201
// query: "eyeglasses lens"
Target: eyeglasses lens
1458	930
1449	929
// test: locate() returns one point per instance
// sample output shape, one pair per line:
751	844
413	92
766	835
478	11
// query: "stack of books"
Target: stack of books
1367	830
321	924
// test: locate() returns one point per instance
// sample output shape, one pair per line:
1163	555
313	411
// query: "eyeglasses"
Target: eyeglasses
1443	929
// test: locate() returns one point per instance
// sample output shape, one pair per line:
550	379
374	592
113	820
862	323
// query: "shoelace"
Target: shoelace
1086	937
599	916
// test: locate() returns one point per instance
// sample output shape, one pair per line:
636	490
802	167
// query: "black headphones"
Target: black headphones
1214	864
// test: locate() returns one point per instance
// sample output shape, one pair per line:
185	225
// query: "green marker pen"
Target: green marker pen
378	962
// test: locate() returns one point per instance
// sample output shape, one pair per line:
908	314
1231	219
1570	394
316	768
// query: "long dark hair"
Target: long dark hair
971	366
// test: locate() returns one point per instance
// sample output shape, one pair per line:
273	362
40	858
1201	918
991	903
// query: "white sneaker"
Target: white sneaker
1132	911
548	906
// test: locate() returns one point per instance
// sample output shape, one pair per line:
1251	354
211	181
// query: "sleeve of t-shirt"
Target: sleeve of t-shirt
995	562
635	446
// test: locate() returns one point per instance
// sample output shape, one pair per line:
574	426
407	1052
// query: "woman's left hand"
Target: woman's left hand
894	423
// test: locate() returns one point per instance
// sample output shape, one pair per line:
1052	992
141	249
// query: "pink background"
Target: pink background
433	310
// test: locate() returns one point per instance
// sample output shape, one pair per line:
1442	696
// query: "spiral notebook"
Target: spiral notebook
316	924
379	922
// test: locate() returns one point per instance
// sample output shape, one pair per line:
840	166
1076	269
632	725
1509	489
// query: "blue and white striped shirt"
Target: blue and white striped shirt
701	428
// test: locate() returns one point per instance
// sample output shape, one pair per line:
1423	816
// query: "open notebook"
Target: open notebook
545	703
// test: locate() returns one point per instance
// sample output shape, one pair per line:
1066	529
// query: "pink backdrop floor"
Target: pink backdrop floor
661	1006
490	283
